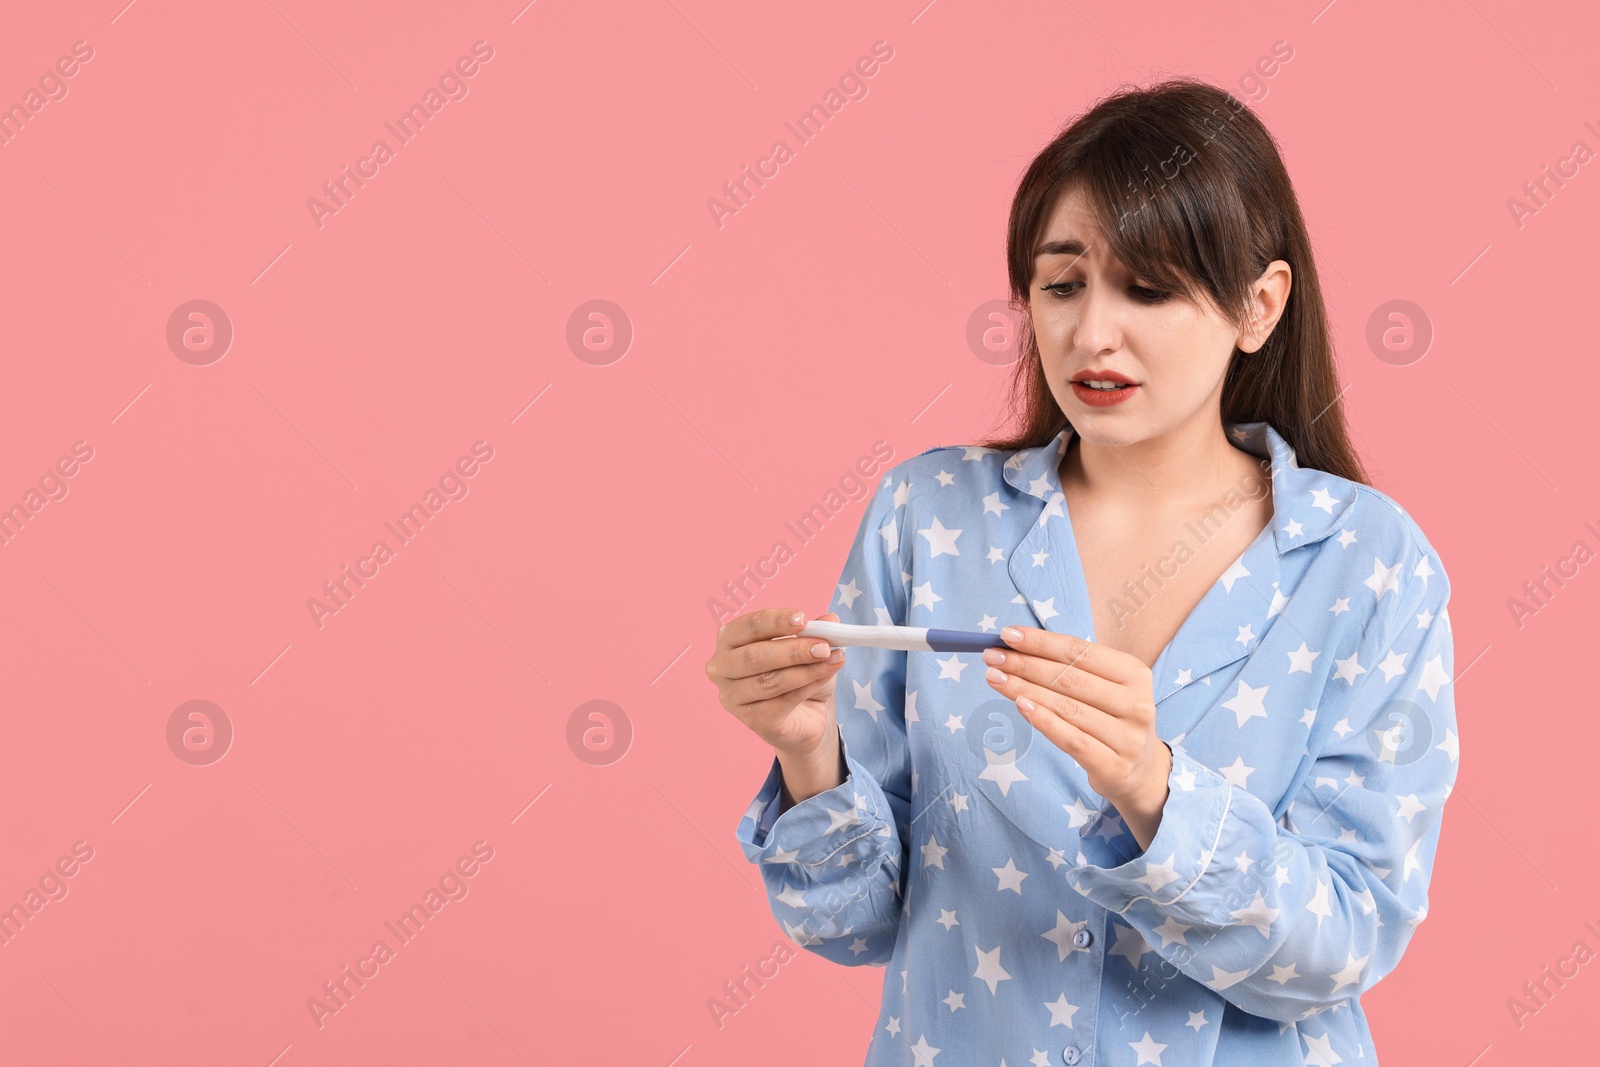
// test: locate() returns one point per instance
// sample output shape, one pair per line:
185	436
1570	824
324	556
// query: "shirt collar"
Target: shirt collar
1229	620
1307	504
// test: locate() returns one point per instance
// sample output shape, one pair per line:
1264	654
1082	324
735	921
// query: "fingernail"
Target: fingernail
1011	633
837	656
797	618
820	650
995	675
994	656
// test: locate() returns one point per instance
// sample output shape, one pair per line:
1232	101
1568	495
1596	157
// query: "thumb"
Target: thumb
827	616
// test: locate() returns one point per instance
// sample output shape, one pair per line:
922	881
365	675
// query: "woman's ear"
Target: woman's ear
1269	295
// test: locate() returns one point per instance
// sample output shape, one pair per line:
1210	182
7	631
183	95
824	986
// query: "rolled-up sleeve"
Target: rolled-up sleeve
833	864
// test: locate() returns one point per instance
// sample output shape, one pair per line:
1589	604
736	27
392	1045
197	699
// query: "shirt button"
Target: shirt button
1070	1054
1083	939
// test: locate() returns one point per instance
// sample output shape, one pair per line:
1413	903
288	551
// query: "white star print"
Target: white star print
1130	945
1383	579
1448	745
1010	877
1062	934
1237	773
1247	703
1149	1050
942	540
1411	863
838	820
1061	1011
1302	658
1221	979
798	933
1257	914
1078	812
865	701
1110	825
1172	932
1282	974
1349	668
890	532
1394	663
1002	770
989	968
1319	1051
1318	905
1433	676
1351	974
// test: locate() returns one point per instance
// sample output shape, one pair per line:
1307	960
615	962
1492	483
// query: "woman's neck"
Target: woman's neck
1188	467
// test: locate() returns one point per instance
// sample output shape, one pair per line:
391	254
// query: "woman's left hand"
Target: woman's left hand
1097	705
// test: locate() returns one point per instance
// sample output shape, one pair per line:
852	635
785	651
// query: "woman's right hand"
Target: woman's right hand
779	689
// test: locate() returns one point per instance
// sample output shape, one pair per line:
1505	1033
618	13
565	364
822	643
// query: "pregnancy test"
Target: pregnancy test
908	638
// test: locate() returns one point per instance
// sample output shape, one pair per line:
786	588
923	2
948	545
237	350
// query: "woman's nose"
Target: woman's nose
1099	327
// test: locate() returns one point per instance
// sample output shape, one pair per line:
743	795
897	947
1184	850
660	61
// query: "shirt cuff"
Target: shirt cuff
837	825
1114	873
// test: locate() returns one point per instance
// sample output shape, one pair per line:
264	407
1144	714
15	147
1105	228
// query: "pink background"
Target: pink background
767	356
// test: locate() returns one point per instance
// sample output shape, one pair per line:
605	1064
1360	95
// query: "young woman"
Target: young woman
1189	814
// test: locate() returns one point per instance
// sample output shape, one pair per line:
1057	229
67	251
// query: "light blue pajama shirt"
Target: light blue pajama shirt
1308	703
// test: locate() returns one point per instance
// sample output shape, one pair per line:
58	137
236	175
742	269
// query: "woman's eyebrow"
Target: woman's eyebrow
1068	247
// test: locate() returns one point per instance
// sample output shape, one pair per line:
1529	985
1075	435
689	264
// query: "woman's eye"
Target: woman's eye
1148	295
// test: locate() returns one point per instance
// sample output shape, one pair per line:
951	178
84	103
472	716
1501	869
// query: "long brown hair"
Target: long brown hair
1190	192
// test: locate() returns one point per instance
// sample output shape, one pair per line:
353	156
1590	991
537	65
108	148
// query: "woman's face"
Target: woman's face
1090	314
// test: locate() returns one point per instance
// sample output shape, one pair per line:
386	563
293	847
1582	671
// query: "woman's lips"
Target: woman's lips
1102	398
